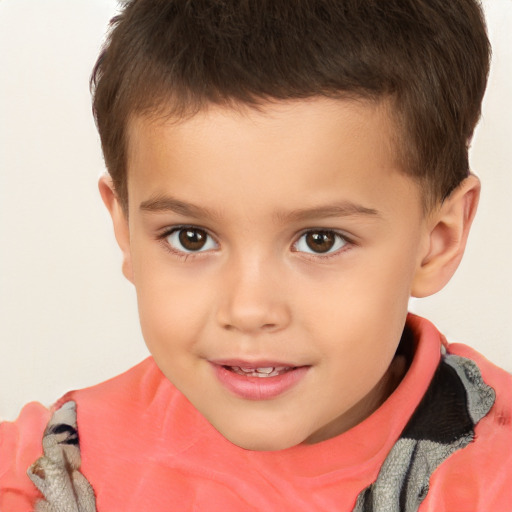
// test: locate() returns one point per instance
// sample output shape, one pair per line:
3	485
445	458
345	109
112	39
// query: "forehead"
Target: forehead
305	149
293	120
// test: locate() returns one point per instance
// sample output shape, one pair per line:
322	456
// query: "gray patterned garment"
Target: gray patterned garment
456	400
56	474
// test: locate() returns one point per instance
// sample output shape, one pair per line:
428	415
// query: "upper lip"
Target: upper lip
261	363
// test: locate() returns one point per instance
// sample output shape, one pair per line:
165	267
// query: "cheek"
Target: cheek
366	296
387	273
172	307
363	288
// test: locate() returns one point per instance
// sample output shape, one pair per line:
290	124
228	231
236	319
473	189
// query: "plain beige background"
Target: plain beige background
67	317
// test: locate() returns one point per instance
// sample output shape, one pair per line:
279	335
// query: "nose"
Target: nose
253	298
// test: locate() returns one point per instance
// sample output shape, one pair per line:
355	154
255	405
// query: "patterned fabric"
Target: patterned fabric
456	400
56	473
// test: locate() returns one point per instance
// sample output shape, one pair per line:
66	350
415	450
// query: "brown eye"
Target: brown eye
320	242
190	239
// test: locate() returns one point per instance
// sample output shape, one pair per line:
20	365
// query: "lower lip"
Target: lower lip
259	388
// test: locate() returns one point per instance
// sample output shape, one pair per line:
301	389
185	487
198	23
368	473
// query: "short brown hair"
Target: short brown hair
173	57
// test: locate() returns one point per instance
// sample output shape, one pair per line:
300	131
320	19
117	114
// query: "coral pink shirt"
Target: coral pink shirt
145	447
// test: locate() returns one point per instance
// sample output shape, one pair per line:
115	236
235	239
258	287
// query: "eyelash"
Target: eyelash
348	243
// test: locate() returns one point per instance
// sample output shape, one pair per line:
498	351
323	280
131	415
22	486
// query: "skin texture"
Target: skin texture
256	291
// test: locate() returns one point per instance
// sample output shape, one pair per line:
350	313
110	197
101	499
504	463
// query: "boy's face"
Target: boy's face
285	240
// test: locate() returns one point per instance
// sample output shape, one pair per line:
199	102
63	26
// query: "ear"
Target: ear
120	221
447	233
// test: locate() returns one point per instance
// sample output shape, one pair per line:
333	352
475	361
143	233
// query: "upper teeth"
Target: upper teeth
267	371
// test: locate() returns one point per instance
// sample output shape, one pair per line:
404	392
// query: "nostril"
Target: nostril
239	327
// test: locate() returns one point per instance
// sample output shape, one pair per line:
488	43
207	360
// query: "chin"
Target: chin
266	442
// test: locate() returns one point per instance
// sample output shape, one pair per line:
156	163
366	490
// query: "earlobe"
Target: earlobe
120	222
447	233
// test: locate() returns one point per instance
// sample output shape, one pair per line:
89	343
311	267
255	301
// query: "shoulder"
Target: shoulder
496	377
135	387
129	393
20	446
113	414
498	421
478	476
111	404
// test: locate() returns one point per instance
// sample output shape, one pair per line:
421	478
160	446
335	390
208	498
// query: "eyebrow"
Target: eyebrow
162	204
342	209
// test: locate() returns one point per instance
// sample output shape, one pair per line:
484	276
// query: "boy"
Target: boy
283	177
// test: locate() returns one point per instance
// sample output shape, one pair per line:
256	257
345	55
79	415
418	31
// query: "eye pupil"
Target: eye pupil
320	241
192	239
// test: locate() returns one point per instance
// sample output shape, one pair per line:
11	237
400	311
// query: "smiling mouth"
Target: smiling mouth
264	372
262	380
